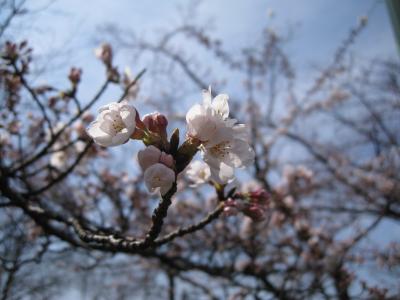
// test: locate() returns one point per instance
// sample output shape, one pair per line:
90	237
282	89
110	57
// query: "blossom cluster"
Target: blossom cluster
223	143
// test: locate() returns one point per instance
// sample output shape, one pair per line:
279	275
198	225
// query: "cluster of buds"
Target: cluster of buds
16	58
13	53
252	204
10	51
105	53
117	123
224	144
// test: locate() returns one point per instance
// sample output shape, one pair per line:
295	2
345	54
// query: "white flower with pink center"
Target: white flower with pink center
159	176
114	125
224	144
198	173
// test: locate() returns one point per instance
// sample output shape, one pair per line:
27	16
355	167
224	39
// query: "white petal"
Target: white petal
242	154
114	107
220	105
226	173
242	132
105	107
195	111
120	138
207	97
100	137
223	174
221	134
198	172
107	127
128	116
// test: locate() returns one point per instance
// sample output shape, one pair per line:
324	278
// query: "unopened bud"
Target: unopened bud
75	75
157	123
260	196
255	212
11	51
104	53
87	117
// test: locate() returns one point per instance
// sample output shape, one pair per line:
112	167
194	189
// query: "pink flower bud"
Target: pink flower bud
161	120
156	122
260	196
80	129
11	51
87	117
75	75
166	159
104	52
152	155
149	122
255	212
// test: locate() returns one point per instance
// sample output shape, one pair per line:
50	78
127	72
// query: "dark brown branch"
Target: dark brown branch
192	228
159	215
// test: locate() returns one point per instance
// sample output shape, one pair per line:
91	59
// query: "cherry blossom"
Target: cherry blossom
159	176
59	159
114	125
224	144
198	173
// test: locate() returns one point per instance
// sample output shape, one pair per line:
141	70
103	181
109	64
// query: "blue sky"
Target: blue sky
318	25
69	27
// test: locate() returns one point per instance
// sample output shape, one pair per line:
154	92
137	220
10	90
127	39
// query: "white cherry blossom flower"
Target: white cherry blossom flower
159	176
114	124
198	172
62	156
228	151
207	119
59	159
224	144
79	146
